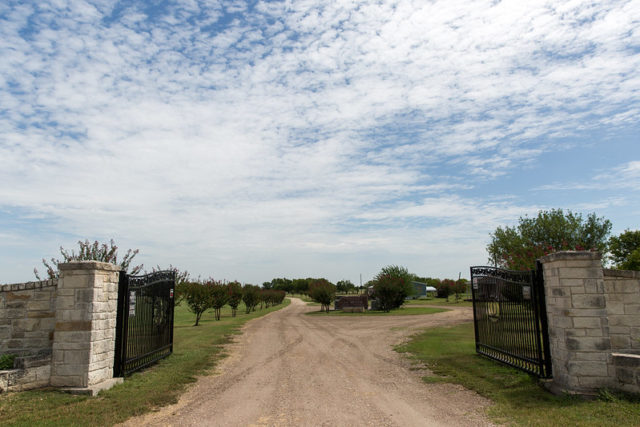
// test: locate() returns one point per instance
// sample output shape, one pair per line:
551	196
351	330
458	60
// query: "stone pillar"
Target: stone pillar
578	327
84	335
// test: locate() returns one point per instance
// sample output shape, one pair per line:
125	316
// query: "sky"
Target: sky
247	140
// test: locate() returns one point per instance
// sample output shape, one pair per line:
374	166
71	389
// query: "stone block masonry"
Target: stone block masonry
67	326
594	324
27	317
84	337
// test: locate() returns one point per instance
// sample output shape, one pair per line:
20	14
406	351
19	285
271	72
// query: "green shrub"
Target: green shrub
6	361
197	297
218	296
322	291
391	286
251	297
235	296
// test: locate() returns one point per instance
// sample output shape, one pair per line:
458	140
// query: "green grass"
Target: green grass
450	301
519	398
196	350
306	298
403	311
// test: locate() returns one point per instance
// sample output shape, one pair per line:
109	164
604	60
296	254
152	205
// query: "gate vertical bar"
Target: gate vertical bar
121	325
542	310
473	298
172	307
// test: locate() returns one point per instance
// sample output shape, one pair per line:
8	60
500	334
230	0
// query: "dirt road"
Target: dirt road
289	369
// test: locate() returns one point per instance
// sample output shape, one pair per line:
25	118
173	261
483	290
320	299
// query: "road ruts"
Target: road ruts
290	369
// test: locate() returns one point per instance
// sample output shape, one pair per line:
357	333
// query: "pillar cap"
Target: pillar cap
88	265
572	255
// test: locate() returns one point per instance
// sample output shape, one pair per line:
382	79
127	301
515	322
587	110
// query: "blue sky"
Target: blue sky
256	139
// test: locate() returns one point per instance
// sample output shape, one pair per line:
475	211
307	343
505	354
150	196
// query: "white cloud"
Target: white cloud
300	125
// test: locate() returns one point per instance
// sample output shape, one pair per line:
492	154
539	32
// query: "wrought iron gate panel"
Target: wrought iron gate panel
510	318
144	326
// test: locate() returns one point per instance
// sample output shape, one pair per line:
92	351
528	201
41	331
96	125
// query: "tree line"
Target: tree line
301	286
201	296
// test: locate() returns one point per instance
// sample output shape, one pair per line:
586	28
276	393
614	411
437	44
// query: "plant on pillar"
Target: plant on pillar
91	252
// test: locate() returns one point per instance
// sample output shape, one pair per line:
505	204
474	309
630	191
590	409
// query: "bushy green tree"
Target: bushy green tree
460	287
517	248
88	251
235	296
282	284
445	288
271	297
250	297
218	296
391	286
323	292
198	299
345	286
625	250
300	286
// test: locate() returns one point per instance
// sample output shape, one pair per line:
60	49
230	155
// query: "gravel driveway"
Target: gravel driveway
289	369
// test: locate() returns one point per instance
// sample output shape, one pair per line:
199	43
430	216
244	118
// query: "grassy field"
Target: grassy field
196	349
305	298
451	301
403	311
519	398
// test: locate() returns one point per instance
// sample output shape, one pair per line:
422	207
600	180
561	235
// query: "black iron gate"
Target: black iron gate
510	318
144	325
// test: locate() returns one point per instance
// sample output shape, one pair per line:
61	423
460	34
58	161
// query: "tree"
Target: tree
283	284
91	252
250	297
345	286
300	286
198	299
517	248
218	294
460	288
445	288
391	286
322	291
625	250
235	296
182	278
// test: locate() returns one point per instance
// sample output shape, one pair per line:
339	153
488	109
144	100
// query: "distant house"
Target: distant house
422	290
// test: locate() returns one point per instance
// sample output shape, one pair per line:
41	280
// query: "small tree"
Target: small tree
235	296
345	286
218	294
198	298
460	287
91	252
446	288
322	291
250	297
625	250
391	286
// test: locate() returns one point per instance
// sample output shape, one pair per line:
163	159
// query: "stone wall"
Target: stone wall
351	301
622	295
592	314
66	327
27	317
